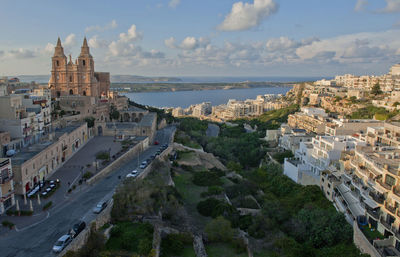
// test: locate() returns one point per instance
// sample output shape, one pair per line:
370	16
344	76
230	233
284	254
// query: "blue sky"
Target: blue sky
205	38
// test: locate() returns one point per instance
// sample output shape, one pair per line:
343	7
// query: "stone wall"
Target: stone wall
101	219
141	146
362	242
147	170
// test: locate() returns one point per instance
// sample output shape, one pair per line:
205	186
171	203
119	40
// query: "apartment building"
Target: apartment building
37	162
339	127
313	120
7	199
312	158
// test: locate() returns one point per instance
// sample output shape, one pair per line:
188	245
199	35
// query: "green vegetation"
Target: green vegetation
47	205
87	175
213	190
280	156
223	249
177	245
131	237
214	208
371	111
90	121
21	212
371	233
8	224
103	155
114	113
206	178
376	90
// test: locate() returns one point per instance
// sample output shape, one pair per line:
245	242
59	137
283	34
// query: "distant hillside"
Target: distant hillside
114	78
133	79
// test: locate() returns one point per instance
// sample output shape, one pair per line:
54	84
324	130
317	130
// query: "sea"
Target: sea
186	98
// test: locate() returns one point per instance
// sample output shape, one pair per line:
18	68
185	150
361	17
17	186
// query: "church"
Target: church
79	78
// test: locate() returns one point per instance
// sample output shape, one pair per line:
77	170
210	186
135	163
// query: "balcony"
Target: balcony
384	185
396	232
6	180
377	198
390	208
375	213
386	224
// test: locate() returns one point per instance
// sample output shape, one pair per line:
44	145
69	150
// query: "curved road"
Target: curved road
38	240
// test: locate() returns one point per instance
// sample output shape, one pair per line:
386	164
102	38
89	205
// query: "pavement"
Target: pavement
35	235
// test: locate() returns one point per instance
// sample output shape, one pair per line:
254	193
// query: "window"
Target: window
83	62
58	77
390	180
70	78
58	63
329	185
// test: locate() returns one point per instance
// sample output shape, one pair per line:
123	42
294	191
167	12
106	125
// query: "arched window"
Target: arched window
70	78
71	92
84	93
58	63
83	62
58	94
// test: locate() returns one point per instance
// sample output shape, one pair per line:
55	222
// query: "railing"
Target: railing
396	191
383	184
386	224
373	213
377	198
5	180
390	208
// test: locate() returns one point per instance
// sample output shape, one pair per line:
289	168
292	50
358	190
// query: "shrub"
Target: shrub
87	175
7	223
219	230
280	157
103	156
47	205
174	244
206	178
212	190
214	208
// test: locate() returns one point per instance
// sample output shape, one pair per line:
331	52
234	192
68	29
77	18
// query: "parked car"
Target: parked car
132	174
77	228
100	207
156	142
61	243
143	166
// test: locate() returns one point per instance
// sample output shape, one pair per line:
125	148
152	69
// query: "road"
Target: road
38	240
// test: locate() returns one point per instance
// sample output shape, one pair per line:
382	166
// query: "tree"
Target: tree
90	122
376	89
114	113
219	230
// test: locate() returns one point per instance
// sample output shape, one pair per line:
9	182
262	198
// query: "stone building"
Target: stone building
6	185
79	78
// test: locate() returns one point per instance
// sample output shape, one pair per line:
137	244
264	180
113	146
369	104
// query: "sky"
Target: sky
204	38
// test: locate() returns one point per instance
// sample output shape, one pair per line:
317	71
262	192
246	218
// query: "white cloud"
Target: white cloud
131	35
359	47
49	48
20	54
392	6
244	16
112	25
170	42
189	43
174	3
70	40
360	5
94	42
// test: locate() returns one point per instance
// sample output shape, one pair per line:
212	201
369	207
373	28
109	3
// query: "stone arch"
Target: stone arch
58	94
84	93
126	117
100	130
71	92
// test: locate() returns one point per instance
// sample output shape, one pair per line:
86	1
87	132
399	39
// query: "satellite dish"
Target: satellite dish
10	152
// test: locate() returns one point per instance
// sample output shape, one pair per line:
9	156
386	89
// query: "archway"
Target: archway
126	117
71	92
58	94
100	130
84	93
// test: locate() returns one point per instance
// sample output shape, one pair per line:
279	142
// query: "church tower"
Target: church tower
85	65
59	69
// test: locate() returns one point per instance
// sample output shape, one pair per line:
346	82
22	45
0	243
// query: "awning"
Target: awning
352	202
371	203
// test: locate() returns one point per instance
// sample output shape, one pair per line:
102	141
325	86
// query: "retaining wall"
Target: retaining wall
141	146
101	219
362	242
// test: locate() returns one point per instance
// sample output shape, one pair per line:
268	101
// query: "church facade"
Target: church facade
77	78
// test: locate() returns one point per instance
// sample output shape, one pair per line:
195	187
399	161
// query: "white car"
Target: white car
61	243
133	174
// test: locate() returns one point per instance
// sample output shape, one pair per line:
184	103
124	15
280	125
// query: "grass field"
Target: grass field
222	250
186	156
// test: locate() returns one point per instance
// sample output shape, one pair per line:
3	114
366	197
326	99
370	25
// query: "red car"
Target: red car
156	142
